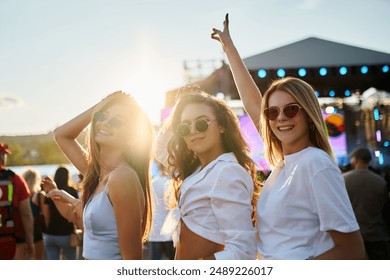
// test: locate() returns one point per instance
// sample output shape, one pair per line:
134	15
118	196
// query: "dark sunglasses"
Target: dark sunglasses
114	122
201	125
290	111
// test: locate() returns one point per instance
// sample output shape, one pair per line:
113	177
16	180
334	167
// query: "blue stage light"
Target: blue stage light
323	71
262	73
376	114
281	73
317	94
343	70
385	68
381	159
347	93
386	144
302	72
364	69
332	93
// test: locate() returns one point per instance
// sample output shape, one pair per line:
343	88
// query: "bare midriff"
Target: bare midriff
192	246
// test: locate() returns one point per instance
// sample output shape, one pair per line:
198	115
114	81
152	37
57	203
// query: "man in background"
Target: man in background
16	219
368	194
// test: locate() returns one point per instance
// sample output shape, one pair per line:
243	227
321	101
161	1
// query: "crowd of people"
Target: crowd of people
207	202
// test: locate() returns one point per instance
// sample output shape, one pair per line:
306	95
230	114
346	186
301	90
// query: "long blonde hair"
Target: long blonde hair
32	178
306	98
138	155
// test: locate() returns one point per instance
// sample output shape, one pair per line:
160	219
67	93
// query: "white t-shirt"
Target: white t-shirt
299	203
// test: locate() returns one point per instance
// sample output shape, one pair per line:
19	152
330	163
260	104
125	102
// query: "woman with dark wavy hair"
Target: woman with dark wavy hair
58	230
116	185
214	180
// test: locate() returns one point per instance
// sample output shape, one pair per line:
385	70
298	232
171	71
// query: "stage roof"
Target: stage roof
312	54
315	52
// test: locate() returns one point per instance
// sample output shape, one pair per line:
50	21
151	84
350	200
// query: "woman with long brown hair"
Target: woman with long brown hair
116	186
214	179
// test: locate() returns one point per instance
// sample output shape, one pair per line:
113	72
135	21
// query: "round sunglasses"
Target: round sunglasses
290	111
201	125
114	122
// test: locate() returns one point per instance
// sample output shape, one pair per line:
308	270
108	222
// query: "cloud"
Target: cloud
10	101
309	5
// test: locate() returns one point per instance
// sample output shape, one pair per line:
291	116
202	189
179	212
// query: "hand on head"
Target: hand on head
114	95
109	98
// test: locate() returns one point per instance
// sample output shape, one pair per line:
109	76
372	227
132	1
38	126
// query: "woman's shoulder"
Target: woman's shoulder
123	184
318	159
231	170
123	176
124	171
230	167
34	197
314	154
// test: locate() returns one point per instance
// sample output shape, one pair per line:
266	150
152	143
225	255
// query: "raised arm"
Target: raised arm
247	88
68	206
66	134
160	148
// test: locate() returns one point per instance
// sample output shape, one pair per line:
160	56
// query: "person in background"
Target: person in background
39	210
161	245
303	211
16	219
115	211
78	187
57	236
368	194
79	184
386	208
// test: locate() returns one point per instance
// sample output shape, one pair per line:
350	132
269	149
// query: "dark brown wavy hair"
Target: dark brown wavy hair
183	162
138	156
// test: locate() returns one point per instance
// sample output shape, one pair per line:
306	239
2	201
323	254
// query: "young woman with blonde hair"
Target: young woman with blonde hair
303	211
214	179
116	186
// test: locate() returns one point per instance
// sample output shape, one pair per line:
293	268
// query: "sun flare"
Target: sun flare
149	91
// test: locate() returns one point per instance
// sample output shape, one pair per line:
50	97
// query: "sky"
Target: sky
58	58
